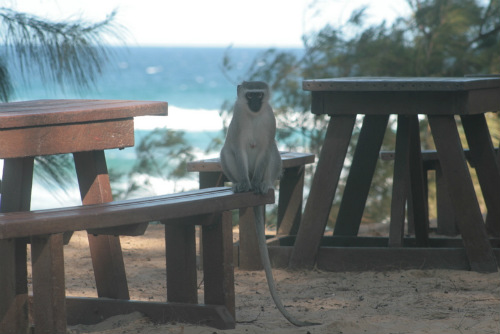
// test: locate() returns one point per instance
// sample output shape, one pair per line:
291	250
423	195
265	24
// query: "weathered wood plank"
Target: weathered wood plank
428	156
447	221
418	196
13	305
408	96
105	250
50	112
395	258
49	307
324	185
356	241
288	160
403	103
484	160
118	213
94	310
375	256
208	180
249	255
290	201
361	174
180	253
66	138
400	185
218	262
16	196
461	190
401	84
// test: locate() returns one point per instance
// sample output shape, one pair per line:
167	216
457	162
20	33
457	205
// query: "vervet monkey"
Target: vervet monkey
251	161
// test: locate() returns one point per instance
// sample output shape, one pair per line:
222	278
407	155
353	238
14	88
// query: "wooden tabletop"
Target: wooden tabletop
401	84
409	96
46	127
50	112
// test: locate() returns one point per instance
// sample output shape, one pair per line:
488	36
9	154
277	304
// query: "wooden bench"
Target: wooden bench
289	202
446	220
180	212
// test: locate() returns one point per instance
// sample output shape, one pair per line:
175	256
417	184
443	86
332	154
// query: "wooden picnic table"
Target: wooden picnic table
440	100
84	128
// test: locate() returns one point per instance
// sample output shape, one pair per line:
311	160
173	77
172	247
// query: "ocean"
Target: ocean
191	80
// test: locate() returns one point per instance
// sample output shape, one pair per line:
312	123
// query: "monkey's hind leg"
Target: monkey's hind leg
234	167
269	172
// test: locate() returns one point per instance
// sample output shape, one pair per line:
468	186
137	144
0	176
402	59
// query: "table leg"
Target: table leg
401	181
105	250
49	295
180	254
360	176
249	255
290	201
218	270
207	180
418	194
447	222
462	195
324	185
16	196
484	160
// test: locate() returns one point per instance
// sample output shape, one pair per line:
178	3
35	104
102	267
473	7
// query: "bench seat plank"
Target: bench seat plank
118	213
288	160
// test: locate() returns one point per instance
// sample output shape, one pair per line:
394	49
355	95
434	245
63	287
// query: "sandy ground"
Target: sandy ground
413	301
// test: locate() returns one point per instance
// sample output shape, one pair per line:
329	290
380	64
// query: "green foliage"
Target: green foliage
453	38
55	171
68	53
5	82
440	38
161	155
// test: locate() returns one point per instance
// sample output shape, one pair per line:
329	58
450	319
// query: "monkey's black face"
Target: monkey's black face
254	100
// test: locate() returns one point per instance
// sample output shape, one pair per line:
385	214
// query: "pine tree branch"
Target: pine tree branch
485	35
71	52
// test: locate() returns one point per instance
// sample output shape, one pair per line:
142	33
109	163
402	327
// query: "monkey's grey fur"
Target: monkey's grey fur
251	161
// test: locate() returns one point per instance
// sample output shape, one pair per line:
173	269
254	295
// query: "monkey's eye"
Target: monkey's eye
254	95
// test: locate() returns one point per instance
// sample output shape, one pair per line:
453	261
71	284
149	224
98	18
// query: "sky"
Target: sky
217	23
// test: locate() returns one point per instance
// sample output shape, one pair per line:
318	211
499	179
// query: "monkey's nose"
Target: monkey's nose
254	105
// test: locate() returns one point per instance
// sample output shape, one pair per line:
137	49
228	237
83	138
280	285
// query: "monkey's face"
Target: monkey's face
254	100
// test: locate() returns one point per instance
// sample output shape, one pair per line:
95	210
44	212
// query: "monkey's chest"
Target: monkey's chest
253	146
253	142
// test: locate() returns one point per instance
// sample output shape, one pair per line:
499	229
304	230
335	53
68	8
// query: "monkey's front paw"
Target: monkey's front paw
241	187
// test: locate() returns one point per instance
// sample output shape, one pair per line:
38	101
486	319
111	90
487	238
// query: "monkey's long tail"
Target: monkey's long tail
264	255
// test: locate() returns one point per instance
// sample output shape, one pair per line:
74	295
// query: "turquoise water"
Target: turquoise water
189	78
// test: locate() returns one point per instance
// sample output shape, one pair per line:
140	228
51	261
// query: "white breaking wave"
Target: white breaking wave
182	119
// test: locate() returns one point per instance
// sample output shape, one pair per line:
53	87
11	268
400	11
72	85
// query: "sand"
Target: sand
412	301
